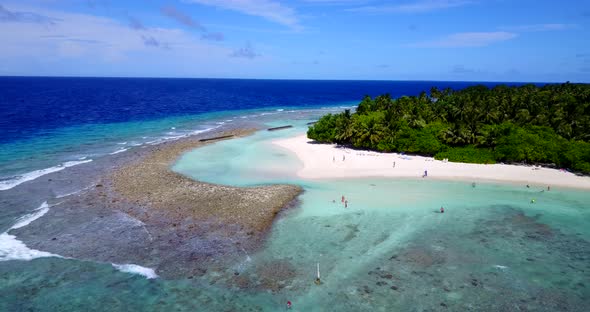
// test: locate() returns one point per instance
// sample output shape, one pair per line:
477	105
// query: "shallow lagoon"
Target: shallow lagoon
388	251
391	249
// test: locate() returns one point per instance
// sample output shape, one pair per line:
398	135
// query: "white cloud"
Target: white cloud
538	27
271	10
466	39
102	44
413	7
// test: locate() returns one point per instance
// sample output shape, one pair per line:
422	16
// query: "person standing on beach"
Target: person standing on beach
333	158
343	157
425	174
442	210
346	204
394	164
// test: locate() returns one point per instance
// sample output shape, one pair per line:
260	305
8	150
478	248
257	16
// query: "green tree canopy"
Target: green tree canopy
547	125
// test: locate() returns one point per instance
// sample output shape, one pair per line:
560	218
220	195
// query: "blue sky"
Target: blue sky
468	40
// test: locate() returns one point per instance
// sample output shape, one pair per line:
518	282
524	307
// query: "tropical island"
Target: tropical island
548	125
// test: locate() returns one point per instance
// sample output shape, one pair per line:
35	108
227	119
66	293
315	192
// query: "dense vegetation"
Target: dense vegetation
547	125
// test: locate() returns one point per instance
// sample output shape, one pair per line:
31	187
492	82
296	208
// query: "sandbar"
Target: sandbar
330	161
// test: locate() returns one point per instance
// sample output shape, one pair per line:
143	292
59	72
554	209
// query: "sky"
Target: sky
459	40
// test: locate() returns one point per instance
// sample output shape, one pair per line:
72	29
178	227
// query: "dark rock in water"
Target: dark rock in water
381	283
474	282
242	282
442	304
367	290
387	276
422	257
275	275
394	287
530	259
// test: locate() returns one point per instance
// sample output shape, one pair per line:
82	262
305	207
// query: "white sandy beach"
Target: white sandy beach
325	161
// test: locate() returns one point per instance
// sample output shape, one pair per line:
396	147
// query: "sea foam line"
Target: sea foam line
119	151
19	179
172	137
136	269
73	193
13	249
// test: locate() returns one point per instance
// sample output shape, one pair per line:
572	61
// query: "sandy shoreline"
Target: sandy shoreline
328	161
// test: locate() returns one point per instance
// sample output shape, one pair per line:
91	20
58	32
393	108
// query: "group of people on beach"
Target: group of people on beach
334	158
343	200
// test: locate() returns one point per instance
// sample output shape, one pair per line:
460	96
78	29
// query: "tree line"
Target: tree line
547	125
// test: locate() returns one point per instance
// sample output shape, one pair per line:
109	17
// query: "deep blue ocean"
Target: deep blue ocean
33	106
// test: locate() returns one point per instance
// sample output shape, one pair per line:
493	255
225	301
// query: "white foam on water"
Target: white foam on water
280	110
122	143
119	151
72	193
16	180
13	249
152	142
204	130
501	267
173	136
136	269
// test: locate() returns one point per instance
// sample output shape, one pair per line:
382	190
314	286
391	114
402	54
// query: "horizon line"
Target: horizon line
289	79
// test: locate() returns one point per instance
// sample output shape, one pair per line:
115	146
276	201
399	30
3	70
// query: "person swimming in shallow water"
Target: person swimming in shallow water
442	210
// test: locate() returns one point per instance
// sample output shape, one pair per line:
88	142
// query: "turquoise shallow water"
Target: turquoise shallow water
389	250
